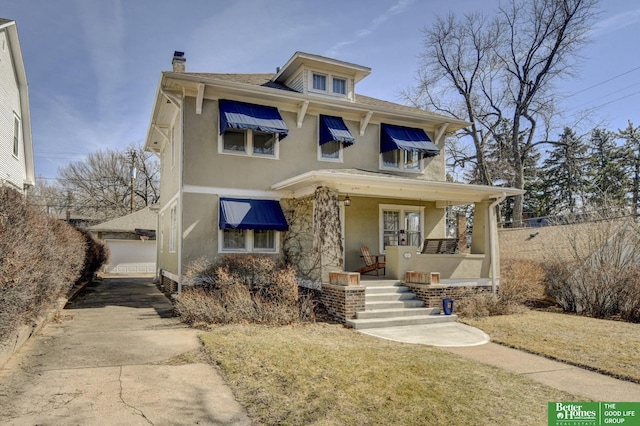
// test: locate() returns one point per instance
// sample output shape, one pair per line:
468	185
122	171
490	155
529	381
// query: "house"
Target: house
298	164
16	149
132	242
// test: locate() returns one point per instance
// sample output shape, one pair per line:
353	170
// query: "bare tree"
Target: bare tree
488	70
101	185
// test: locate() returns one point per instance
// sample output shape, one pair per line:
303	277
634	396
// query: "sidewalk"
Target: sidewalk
116	357
471	343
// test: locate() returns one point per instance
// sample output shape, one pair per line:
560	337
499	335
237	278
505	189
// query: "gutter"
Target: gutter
493	240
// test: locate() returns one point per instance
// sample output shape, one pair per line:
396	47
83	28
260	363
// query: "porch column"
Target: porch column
326	230
481	238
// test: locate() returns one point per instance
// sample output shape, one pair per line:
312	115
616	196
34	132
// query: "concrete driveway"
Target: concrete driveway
116	357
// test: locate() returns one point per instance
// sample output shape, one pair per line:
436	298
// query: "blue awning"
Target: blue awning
239	213
241	115
334	129
407	138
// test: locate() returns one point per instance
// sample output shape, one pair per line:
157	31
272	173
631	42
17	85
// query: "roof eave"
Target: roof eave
391	186
453	124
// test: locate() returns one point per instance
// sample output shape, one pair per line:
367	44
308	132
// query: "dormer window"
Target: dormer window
319	82
329	84
339	86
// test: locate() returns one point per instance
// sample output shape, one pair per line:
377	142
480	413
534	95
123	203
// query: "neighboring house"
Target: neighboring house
16	149
132	242
296	164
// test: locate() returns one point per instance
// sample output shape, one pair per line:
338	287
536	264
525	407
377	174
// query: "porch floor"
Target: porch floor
459	282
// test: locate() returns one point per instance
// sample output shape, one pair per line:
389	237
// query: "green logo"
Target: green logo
594	413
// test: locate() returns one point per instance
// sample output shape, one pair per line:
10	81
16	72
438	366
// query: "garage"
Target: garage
132	243
131	257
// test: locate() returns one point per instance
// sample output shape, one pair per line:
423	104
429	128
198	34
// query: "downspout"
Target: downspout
493	238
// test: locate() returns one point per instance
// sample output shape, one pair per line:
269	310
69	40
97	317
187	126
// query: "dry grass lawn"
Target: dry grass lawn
611	347
321	374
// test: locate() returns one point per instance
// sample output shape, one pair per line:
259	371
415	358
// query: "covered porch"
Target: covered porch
392	215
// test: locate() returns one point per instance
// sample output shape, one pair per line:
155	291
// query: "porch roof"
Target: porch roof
376	184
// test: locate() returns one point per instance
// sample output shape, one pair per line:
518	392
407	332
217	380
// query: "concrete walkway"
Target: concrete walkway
116	357
469	342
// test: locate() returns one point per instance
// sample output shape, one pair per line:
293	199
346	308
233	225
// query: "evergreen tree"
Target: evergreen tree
606	173
563	173
631	161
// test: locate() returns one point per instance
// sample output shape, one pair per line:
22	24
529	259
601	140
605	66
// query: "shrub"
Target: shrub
242	289
96	254
603	280
520	282
40	259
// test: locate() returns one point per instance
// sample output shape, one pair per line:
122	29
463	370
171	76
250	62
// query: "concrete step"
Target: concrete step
379	283
361	324
388	297
386	289
398	312
393	304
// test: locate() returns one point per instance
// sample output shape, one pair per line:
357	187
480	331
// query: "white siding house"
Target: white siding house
16	149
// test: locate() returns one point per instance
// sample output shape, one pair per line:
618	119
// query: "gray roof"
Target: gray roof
265	81
5	21
142	219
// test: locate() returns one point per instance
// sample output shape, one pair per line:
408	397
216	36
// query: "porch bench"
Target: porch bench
440	246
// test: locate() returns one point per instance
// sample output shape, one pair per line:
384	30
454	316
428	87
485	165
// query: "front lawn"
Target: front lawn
611	347
327	375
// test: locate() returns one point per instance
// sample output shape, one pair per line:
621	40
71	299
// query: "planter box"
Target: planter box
422	277
344	278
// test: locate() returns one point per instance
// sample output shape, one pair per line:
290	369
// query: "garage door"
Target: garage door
131	257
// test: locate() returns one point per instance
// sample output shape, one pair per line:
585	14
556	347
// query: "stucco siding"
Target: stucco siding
298	152
199	228
12	168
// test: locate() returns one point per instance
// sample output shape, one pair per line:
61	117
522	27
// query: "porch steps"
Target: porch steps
390	304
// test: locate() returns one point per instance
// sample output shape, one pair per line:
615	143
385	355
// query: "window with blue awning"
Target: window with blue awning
407	138
245	116
241	213
333	129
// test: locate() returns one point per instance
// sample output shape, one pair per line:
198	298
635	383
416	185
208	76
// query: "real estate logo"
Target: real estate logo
574	413
593	413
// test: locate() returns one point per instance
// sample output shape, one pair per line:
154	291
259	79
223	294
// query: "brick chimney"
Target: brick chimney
179	62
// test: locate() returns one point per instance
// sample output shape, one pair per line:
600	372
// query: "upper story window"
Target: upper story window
319	82
16	135
249	142
249	129
402	160
333	137
340	86
329	84
404	148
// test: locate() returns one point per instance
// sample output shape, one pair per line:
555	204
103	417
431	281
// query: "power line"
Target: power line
602	82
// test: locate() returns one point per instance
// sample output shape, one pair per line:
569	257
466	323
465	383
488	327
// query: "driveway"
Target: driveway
116	356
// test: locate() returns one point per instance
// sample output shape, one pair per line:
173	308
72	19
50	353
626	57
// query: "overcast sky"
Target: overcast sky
94	65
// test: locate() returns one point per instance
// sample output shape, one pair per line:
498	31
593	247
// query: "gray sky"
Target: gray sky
93	65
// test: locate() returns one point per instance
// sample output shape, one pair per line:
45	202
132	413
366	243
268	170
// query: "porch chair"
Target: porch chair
372	262
440	246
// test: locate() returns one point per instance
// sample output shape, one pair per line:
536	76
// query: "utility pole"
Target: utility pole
133	172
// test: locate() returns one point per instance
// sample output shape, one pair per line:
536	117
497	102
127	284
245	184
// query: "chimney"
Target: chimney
179	62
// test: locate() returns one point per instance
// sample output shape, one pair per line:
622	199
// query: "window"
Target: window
320	82
173	146
264	143
249	142
173	229
331	150
249	240
401	225
234	140
161	242
340	86
401	160
16	135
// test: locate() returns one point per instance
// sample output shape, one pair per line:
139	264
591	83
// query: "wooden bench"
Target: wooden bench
440	246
